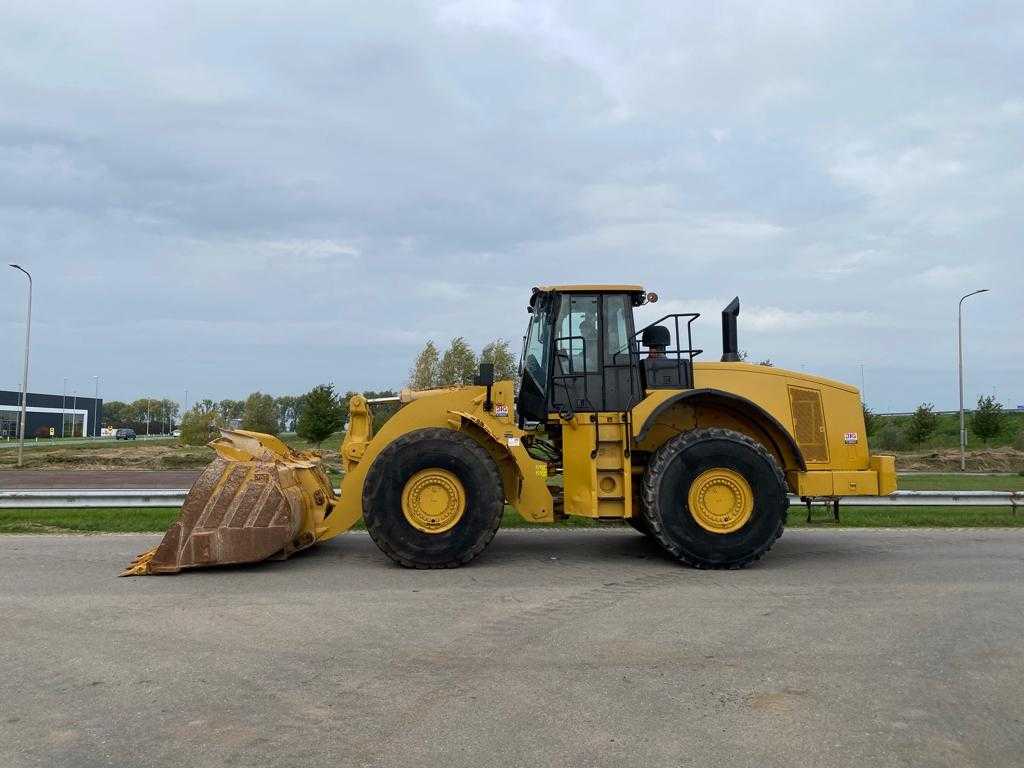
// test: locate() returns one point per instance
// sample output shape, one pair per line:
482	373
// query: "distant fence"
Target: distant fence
967	412
13	499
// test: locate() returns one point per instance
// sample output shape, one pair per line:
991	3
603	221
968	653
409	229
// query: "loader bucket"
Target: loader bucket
257	500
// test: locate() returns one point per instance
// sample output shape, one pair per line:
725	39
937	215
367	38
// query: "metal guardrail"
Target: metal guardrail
931	499
68	497
161	497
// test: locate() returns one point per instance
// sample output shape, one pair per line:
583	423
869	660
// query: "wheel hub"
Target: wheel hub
433	500
721	500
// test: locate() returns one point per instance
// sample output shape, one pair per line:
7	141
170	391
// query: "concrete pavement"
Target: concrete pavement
556	648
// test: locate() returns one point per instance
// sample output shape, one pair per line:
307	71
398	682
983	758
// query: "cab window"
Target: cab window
617	313
577	333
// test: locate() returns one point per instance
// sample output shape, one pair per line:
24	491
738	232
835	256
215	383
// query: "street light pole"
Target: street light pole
64	407
24	374
960	356
96	409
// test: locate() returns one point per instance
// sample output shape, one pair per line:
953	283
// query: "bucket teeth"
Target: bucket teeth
140	565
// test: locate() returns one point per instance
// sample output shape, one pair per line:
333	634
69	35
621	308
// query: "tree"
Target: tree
498	354
116	413
458	365
987	421
146	411
229	410
167	412
922	423
259	414
287	412
425	373
870	420
322	415
197	426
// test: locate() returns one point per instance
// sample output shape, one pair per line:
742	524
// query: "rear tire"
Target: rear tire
639	524
448	451
667	485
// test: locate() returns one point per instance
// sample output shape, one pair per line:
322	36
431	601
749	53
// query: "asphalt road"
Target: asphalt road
556	648
102	479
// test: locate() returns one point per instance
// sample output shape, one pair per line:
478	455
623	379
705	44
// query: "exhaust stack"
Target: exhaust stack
730	344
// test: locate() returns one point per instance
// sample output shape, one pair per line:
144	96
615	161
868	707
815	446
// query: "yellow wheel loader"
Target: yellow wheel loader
700	456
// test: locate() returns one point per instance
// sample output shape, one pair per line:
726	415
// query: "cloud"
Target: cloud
443	291
272	197
945	276
761	319
541	26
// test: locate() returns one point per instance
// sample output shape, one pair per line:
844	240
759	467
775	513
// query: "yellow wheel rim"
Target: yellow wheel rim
721	500
433	500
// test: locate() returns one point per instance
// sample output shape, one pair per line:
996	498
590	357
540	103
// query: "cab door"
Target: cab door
576	380
622	388
594	362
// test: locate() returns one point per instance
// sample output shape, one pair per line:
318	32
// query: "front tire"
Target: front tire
715	498
433	498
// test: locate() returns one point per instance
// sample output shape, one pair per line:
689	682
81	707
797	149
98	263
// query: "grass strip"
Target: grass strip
958	482
157	519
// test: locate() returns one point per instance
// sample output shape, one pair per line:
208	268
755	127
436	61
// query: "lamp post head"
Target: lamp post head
973	293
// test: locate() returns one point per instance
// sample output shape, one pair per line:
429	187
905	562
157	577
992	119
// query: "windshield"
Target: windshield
535	352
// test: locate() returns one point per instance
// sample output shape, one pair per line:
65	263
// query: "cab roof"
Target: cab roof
592	288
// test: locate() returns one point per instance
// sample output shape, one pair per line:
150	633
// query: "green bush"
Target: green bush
949	429
922	423
198	427
891	437
987	420
1018	441
871	421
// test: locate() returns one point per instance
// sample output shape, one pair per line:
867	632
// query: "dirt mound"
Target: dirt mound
127	457
1003	459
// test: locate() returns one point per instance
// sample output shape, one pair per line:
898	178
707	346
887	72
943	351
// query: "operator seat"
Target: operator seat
659	370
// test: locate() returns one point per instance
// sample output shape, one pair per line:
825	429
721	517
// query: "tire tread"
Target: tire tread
652	481
373	524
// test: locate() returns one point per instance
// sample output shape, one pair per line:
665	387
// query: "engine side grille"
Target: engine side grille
809	423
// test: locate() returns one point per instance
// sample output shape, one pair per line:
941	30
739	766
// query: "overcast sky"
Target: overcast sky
229	199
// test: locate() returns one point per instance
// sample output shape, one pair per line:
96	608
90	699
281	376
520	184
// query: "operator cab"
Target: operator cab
583	354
